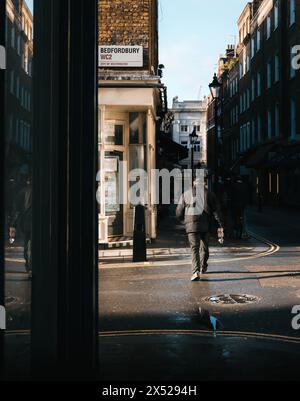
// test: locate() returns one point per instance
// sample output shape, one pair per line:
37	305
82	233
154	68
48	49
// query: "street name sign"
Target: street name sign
120	56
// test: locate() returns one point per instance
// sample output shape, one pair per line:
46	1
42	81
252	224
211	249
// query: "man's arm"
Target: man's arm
215	208
180	211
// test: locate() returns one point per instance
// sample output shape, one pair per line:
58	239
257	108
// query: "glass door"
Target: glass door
114	209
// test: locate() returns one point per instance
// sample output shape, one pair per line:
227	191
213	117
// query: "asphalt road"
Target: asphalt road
157	325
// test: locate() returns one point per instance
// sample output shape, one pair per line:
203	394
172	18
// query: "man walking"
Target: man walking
196	208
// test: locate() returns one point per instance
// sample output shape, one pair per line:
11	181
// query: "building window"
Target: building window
248	98
29	101
269	26
293	70
26	60
269	75
241	139
12	82
269	124
293	118
22	133
253	90
259	129
241	70
18	87
252	47
292	12
30	67
258	84
19	44
253	132
137	128
244	62
276	15
17	131
184	128
13	37
258	39
248	135
276	68
277	120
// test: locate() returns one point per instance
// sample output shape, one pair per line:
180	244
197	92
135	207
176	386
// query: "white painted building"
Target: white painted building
187	115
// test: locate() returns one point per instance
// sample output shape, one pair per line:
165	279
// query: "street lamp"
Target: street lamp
215	90
193	140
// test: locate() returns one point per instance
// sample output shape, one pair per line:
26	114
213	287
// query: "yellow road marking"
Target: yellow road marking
273	248
141	333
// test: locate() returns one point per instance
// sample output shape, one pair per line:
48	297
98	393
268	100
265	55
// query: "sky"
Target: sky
192	36
30	4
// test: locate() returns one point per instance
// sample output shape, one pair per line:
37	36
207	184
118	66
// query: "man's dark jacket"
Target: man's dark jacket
199	222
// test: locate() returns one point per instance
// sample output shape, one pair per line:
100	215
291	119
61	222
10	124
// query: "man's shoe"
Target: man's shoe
204	270
195	277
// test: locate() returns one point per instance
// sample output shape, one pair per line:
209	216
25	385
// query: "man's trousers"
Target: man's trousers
199	243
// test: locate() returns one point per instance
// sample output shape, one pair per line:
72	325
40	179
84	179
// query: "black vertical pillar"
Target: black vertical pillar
2	191
64	296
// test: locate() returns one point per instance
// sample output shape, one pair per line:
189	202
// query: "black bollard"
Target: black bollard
139	235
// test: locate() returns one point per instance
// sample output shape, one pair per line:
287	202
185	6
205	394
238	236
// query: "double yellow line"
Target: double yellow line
198	333
273	248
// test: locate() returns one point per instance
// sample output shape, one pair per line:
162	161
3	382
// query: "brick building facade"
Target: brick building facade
131	22
132	101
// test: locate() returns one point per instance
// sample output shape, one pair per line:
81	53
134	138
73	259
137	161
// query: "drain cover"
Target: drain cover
229	299
11	300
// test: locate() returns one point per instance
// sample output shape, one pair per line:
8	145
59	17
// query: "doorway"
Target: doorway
114	209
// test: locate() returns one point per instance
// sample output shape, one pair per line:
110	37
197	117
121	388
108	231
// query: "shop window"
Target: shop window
114	134
138	128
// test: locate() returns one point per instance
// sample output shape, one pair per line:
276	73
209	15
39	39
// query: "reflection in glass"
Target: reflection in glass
18	176
138	128
114	134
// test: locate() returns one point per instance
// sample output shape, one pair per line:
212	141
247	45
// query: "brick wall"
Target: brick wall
130	22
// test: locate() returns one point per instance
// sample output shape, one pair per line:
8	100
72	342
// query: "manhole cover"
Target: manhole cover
10	300
229	299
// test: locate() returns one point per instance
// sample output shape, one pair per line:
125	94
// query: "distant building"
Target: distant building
132	102
187	116
260	108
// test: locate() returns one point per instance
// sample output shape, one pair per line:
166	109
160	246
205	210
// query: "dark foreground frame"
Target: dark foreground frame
2	152
65	283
